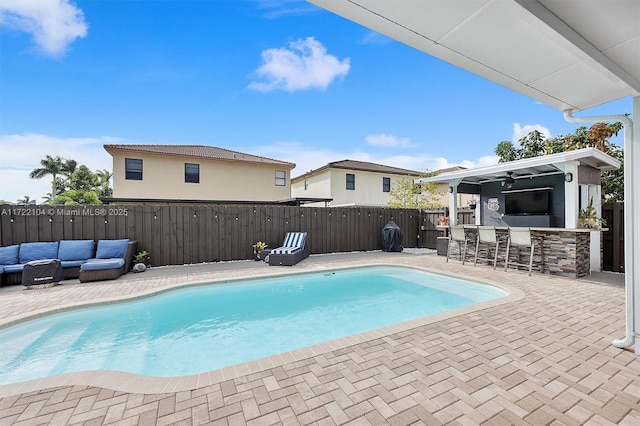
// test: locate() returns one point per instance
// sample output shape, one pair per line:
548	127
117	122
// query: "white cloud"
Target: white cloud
388	141
487	160
521	131
22	153
303	64
54	24
274	9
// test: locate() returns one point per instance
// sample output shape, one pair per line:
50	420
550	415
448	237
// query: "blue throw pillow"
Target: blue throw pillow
75	249
37	251
109	249
9	255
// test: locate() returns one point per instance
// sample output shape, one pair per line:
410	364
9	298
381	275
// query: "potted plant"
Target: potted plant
443	221
472	203
141	261
257	249
588	218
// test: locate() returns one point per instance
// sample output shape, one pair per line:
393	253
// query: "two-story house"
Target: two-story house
350	183
196	173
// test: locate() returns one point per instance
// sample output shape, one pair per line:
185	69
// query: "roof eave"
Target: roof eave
602	161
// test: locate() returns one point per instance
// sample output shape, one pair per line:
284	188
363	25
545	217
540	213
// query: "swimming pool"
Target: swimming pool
203	328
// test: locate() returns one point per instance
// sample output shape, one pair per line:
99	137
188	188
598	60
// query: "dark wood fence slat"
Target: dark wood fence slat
193	234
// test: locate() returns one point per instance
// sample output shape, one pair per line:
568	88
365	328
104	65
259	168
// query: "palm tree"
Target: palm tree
26	200
104	176
50	166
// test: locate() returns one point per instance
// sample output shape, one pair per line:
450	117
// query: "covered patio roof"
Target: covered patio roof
548	50
529	167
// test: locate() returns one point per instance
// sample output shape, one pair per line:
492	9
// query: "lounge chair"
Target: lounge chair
293	250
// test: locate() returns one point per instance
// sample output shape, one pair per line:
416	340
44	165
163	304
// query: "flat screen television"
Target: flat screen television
527	203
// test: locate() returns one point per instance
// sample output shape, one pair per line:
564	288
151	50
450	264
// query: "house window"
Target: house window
191	173
306	184
386	184
133	169
351	181
281	178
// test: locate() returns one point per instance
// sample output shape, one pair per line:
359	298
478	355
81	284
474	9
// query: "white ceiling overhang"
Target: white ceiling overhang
569	54
529	167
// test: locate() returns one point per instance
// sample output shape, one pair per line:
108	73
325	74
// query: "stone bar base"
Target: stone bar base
566	252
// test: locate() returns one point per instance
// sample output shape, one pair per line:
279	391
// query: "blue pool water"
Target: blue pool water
202	328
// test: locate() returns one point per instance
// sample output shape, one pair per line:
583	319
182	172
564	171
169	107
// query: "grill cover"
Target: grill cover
391	237
39	272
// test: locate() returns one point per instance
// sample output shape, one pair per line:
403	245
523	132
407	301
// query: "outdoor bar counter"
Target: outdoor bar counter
566	252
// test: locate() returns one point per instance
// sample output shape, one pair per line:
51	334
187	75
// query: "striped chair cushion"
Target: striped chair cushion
293	242
286	250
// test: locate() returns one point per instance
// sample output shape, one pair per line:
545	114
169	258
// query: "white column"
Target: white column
595	192
453	204
632	219
453	201
571	208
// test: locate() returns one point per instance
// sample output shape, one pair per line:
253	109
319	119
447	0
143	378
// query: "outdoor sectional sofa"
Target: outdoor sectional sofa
81	259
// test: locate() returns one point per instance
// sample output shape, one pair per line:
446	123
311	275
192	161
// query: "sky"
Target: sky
282	79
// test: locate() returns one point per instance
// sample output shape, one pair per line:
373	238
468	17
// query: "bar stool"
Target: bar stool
488	236
459	235
521	237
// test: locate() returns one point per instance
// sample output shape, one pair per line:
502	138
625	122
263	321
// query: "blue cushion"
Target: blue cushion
37	251
99	264
13	268
72	263
75	249
9	255
109	249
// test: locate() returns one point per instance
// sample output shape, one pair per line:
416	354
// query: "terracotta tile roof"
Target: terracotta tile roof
447	170
198	151
363	166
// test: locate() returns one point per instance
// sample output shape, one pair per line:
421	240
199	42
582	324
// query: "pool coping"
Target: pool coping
136	383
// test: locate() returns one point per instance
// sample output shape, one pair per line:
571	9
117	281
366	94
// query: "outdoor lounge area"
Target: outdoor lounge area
542	355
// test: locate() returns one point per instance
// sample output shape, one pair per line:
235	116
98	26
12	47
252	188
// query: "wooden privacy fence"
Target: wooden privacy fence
183	234
429	234
613	238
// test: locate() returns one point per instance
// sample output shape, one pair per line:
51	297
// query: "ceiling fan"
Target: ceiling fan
508	180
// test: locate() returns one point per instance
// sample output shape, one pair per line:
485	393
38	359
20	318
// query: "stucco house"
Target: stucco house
350	183
145	173
360	183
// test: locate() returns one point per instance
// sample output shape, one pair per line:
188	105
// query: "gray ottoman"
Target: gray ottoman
42	273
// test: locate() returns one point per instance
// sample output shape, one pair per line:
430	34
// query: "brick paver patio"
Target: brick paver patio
543	357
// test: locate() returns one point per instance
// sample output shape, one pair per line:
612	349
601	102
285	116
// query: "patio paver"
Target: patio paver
545	358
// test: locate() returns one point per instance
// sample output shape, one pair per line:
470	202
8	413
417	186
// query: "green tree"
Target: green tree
406	194
82	179
533	145
26	200
506	151
50	166
73	183
104	187
76	196
613	180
